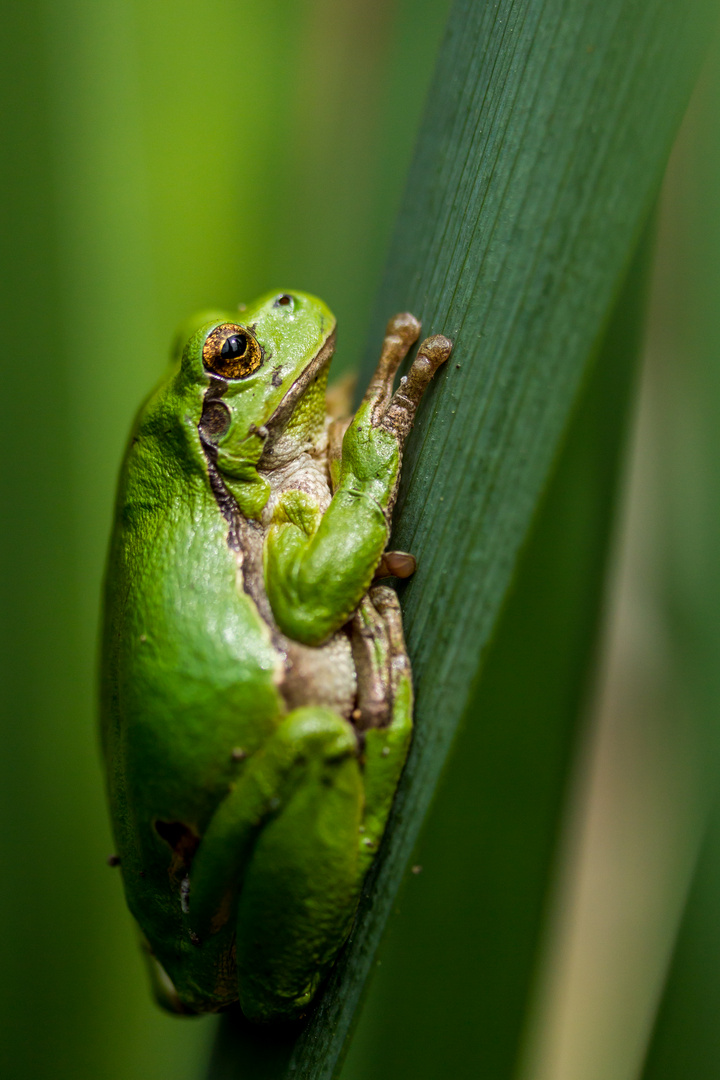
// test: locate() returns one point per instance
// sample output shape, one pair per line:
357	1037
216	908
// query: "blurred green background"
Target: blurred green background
160	158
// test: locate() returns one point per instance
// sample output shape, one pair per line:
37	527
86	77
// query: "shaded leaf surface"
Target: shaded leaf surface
457	965
544	141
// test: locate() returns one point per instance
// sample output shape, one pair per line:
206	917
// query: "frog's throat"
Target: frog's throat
280	418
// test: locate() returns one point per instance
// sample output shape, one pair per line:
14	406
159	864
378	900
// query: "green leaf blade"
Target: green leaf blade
458	962
544	142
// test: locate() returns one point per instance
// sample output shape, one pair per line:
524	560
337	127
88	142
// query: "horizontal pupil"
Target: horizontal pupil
234	346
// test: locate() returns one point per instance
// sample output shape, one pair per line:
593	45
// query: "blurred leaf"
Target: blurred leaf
77	304
686	1037
544	141
150	169
359	74
685	1040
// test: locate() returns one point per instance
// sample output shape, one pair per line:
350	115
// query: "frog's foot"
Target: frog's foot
401	333
394	414
399	416
282	852
384	712
400	564
379	655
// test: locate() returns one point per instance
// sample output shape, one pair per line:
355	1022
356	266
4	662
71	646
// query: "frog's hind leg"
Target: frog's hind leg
283	849
384	712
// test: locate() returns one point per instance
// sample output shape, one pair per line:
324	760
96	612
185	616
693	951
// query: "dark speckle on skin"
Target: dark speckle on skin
277	377
113	860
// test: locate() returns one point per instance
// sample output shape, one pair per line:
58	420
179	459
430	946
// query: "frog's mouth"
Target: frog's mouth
278	421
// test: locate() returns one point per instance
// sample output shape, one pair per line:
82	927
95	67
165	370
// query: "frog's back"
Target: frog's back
189	670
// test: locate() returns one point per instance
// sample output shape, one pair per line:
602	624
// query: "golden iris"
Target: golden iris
232	352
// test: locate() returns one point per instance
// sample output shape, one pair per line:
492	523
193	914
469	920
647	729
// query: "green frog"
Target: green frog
256	691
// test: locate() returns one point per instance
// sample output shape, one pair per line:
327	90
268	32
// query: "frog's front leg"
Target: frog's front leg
318	567
282	851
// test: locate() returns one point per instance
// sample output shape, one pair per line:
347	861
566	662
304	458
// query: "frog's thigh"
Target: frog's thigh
385	701
380	656
299	893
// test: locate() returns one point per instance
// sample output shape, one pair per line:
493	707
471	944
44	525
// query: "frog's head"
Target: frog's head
257	380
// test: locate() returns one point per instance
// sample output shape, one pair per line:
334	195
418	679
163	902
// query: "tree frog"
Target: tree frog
256	692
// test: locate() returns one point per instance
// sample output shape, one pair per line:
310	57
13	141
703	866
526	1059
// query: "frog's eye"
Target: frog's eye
232	352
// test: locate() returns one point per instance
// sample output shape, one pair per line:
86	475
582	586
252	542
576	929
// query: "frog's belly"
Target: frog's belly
324	675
